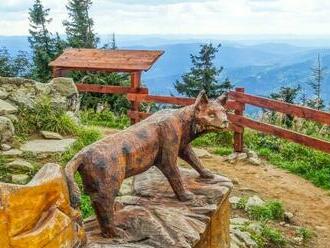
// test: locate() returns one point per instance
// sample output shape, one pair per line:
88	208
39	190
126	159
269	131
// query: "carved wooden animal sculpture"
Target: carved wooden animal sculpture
156	141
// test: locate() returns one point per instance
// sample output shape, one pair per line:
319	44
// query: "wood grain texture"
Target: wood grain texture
281	132
106	60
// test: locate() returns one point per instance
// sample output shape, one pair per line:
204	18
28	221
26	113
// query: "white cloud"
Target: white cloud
183	16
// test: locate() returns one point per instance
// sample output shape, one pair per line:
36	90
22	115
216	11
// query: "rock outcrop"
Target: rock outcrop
15	92
152	217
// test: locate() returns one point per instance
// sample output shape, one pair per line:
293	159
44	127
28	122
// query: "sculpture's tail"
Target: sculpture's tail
70	170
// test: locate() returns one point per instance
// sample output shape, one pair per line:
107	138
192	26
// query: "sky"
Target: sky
196	17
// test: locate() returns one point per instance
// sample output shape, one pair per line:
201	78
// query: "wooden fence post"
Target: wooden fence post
135	84
238	137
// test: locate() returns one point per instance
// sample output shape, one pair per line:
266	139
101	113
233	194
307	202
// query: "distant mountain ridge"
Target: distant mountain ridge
259	67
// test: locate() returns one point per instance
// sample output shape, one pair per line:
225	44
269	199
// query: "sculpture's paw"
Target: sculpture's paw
206	174
186	196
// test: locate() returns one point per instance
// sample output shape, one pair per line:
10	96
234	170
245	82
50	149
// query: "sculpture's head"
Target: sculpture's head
210	115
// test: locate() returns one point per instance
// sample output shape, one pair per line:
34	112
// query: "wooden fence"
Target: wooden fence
236	104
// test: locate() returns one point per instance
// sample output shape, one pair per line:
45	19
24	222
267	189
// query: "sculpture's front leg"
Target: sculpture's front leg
188	155
169	168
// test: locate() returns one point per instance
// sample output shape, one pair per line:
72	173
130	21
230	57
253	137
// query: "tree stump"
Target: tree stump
152	217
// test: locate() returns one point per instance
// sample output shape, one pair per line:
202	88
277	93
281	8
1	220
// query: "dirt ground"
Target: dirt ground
310	205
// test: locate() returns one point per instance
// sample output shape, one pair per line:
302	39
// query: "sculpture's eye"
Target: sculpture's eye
212	115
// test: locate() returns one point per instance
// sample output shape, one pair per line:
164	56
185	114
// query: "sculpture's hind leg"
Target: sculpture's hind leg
104	187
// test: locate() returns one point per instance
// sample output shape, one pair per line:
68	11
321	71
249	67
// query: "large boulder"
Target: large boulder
19	91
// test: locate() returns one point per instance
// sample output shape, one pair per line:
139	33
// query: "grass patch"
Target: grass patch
223	139
3	170
305	233
104	119
271	210
223	151
270	237
46	116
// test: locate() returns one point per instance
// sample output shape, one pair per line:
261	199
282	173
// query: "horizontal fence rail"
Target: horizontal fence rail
286	108
236	102
280	132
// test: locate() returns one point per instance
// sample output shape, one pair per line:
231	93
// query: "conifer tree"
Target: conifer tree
79	27
41	41
316	83
204	75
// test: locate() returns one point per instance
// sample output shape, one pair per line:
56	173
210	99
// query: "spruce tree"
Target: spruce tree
204	75
316	83
18	66
41	41
79	27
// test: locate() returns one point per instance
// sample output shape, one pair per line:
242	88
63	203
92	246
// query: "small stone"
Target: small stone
231	157
51	135
20	165
202	153
252	154
234	200
7	130
47	146
235	181
254	161
20	179
242	156
12	153
239	221
12	117
288	216
254	201
246	238
6	108
5	147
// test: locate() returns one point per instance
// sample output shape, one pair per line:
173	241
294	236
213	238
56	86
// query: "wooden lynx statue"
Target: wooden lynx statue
156	141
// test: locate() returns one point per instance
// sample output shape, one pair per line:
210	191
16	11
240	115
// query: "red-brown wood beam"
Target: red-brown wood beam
281	132
239	136
135	84
109	89
286	108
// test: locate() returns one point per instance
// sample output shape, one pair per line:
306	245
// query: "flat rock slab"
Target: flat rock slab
47	146
152	217
6	108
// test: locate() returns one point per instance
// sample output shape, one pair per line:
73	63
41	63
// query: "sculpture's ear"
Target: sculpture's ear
201	99
222	99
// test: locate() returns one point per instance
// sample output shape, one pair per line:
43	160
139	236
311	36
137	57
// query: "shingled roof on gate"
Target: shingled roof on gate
107	60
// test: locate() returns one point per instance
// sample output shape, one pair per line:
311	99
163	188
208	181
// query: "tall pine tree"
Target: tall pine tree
79	27
41	41
316	81
204	75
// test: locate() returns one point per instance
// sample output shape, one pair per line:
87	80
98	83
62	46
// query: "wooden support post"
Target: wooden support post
135	84
238	136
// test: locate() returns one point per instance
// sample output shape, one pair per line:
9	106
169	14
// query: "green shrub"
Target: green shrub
271	210
242	202
305	233
104	119
44	116
272	237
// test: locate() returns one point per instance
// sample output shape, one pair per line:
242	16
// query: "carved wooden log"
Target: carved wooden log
152	217
39	214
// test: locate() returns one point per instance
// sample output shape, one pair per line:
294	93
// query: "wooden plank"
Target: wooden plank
109	89
239	136
287	108
161	99
107	60
281	132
